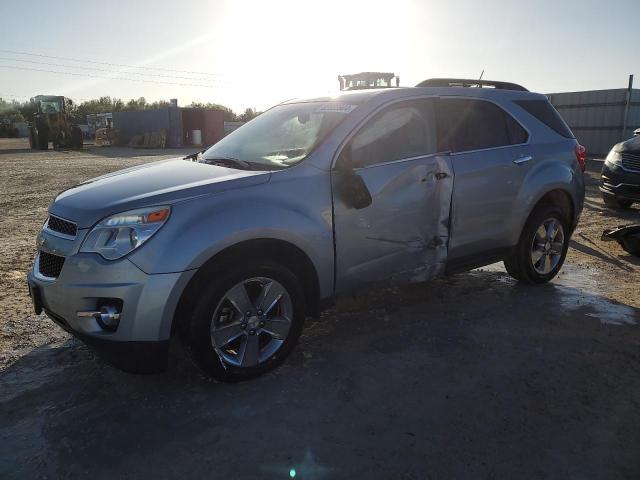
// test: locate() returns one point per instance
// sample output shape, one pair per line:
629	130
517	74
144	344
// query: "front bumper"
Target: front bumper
134	357
140	343
622	183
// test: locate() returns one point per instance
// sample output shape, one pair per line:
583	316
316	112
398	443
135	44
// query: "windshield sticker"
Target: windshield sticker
336	108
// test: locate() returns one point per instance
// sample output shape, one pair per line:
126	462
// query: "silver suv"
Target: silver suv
233	247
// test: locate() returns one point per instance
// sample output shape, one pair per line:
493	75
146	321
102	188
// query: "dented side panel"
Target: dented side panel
403	235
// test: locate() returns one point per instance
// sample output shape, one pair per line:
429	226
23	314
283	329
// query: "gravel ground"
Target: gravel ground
473	376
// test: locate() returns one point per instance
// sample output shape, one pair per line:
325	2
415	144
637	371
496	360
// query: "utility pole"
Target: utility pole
627	107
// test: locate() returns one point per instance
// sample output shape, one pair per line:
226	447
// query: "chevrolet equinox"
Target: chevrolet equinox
233	247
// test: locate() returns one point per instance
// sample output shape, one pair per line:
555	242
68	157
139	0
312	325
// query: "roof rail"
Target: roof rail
463	82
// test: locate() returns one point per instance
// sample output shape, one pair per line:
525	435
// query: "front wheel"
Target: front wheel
246	321
542	248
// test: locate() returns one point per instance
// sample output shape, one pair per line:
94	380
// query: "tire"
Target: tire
616	203
59	141
211	298
43	138
521	264
76	137
33	139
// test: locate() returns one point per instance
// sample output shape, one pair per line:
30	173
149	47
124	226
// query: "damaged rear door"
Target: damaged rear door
404	233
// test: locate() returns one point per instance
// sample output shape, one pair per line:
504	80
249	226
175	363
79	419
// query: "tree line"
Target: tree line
12	111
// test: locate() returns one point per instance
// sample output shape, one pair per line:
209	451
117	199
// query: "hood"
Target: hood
157	183
631	145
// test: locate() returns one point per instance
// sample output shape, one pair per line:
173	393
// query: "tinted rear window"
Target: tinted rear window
544	111
465	125
517	134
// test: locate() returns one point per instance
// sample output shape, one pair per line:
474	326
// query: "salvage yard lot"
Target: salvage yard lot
473	376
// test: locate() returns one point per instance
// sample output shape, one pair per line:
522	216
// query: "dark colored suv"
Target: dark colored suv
620	181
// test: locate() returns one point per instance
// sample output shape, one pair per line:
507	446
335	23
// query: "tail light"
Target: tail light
581	155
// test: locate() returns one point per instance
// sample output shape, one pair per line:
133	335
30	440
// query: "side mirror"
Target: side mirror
636	132
350	185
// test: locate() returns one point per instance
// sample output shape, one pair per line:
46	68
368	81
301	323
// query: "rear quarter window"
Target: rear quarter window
544	111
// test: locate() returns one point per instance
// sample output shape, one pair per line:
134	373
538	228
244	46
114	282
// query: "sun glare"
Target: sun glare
299	48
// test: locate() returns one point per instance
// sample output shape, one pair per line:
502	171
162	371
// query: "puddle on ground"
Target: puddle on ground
580	289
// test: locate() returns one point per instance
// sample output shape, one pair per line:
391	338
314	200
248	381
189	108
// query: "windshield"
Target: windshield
280	137
50	106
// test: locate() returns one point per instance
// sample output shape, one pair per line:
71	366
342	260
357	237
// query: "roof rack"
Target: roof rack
463	82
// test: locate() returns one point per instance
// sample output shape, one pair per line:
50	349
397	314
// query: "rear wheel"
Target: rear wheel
76	137
59	141
43	138
33	139
542	248
614	202
246	321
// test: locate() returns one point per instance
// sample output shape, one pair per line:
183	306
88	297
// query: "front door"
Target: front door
404	233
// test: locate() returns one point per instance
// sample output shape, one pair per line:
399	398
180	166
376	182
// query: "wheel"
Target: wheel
33	139
76	137
614	202
59	141
542	247
246	321
43	138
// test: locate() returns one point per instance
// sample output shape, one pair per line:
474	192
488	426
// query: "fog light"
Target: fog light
108	317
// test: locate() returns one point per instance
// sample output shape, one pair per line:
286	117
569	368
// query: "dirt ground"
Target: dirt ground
473	376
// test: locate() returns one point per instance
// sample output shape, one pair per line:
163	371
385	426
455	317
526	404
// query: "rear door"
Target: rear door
403	234
490	158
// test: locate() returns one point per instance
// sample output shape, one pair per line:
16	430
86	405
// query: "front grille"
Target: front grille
62	226
50	265
631	160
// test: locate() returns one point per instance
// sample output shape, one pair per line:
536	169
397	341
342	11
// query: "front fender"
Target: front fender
546	177
201	228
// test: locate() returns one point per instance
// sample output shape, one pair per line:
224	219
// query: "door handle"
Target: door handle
523	159
433	176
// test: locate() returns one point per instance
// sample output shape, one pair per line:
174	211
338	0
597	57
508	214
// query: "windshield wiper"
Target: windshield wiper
194	156
228	161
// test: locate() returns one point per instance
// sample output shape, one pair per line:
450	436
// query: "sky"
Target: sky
253	53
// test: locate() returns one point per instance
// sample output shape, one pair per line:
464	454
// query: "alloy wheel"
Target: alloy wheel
547	246
251	322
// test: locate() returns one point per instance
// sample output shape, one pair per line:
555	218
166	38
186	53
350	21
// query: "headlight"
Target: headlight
614	158
117	235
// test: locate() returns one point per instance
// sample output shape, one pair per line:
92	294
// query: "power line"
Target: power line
14	96
146	67
107	71
159	82
2	95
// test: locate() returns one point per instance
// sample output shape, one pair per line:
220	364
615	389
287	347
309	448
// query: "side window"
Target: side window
465	124
544	111
403	130
517	134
